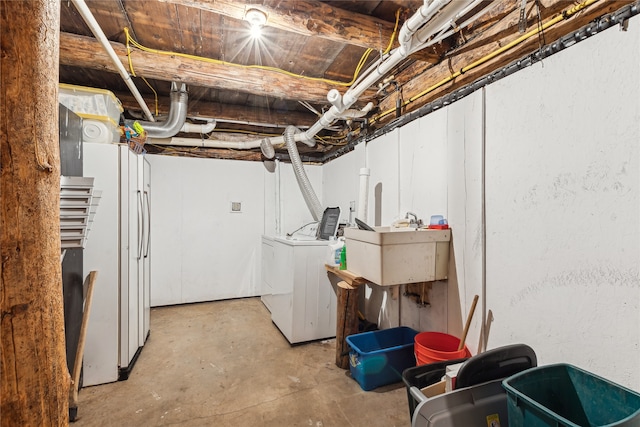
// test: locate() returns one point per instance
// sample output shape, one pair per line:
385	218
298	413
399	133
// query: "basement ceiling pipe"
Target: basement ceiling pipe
341	103
97	31
417	20
177	115
445	21
213	143
201	129
446	8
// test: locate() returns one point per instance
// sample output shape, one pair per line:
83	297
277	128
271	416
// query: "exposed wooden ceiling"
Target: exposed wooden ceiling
322	40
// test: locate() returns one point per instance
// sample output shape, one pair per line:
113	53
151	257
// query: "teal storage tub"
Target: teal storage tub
378	358
564	395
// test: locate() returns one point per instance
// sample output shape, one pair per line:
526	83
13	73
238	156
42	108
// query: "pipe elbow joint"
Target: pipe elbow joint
335	99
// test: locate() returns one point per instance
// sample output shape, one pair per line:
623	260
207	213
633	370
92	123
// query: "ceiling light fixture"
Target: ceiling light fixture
256	18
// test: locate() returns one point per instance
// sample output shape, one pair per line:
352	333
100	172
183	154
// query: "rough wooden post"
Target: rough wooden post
347	321
34	375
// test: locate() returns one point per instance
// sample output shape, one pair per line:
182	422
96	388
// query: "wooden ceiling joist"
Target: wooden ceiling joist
225	112
308	17
86	52
493	39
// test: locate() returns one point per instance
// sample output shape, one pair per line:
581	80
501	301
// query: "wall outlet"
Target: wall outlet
236	207
352	206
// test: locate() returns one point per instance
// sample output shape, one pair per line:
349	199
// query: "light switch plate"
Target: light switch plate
236	207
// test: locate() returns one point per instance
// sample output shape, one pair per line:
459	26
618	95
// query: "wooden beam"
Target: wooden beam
224	112
307	17
209	153
34	378
86	52
502	34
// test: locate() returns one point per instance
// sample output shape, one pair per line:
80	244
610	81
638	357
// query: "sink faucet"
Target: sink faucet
413	222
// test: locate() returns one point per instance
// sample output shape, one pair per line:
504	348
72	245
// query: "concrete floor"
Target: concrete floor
225	363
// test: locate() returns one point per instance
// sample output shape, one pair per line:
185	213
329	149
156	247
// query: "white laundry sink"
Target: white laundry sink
387	257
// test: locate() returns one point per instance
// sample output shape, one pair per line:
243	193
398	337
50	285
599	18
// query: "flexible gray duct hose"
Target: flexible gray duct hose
177	115
301	176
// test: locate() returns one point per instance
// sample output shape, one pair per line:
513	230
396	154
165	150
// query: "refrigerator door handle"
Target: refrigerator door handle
146	197
140	225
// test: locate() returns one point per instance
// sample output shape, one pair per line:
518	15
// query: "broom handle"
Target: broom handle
466	327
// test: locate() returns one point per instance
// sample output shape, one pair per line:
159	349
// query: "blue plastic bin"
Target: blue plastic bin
564	395
378	358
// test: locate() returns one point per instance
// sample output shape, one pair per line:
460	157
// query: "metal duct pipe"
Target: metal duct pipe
88	18
301	176
177	115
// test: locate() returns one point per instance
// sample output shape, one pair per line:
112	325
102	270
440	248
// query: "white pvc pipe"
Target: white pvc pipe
444	19
419	26
206	143
422	15
278	202
213	143
97	31
354	92
444	34
202	129
363	195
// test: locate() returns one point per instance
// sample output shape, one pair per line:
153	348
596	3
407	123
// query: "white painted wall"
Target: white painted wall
384	195
562	207
423	191
201	250
341	182
464	213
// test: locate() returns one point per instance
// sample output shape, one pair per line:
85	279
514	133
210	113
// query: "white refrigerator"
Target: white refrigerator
118	247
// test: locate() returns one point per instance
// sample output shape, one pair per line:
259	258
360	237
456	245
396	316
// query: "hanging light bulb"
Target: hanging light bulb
256	19
255	31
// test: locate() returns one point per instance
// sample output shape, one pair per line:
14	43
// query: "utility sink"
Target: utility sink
389	257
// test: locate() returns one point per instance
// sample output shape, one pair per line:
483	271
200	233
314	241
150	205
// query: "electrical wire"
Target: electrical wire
563	16
393	35
133	72
384	55
131	41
